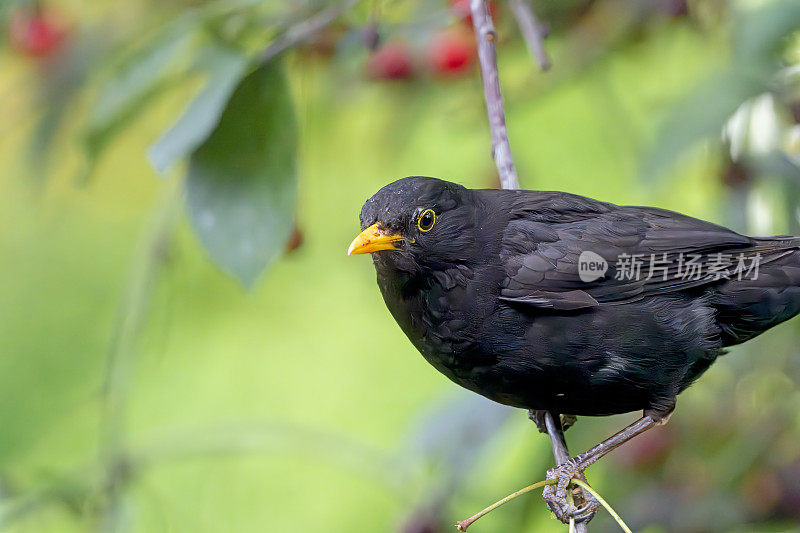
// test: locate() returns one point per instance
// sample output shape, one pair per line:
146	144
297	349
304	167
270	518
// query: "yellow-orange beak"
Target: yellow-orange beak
373	239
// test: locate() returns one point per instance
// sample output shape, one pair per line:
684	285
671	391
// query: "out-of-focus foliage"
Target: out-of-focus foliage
143	390
759	36
242	183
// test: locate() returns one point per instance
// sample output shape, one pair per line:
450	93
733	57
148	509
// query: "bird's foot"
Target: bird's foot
565	499
567	421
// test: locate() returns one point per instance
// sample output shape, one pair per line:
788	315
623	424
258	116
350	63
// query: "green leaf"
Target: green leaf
226	66
135	81
242	181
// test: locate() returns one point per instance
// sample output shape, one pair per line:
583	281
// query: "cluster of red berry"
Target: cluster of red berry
450	53
36	32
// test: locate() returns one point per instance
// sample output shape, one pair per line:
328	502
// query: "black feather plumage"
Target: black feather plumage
492	294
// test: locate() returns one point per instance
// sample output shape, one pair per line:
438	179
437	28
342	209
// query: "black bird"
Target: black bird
550	301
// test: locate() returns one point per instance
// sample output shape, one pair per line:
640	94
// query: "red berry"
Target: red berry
391	61
461	10
452	53
35	33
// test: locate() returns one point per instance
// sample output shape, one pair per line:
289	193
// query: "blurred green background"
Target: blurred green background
145	389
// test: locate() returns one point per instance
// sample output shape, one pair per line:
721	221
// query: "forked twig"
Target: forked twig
462	525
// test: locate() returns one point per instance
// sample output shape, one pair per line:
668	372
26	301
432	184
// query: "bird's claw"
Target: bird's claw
555	496
567	421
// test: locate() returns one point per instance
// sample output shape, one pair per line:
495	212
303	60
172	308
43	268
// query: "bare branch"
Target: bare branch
533	31
487	54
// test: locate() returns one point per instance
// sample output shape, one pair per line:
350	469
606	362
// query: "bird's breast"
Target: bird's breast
440	314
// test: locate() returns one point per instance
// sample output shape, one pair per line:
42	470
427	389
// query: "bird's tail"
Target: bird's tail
769	295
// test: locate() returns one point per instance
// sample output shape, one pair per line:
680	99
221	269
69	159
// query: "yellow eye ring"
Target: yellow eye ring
426	220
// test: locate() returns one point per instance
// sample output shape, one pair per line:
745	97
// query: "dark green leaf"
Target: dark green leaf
226	66
242	181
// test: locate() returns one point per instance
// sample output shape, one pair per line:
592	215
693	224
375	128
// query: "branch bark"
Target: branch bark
487	55
533	31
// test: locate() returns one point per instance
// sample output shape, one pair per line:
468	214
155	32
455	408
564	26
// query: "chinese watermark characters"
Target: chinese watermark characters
687	267
671	266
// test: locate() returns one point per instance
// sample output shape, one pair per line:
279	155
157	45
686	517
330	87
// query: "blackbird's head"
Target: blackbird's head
418	222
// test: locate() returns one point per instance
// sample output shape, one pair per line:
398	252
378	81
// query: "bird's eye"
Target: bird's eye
426	220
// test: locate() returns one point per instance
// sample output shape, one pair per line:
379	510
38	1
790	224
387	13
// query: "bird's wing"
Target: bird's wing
549	235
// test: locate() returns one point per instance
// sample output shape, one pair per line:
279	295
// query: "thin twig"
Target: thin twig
303	31
462	525
487	55
604	503
571	501
533	31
